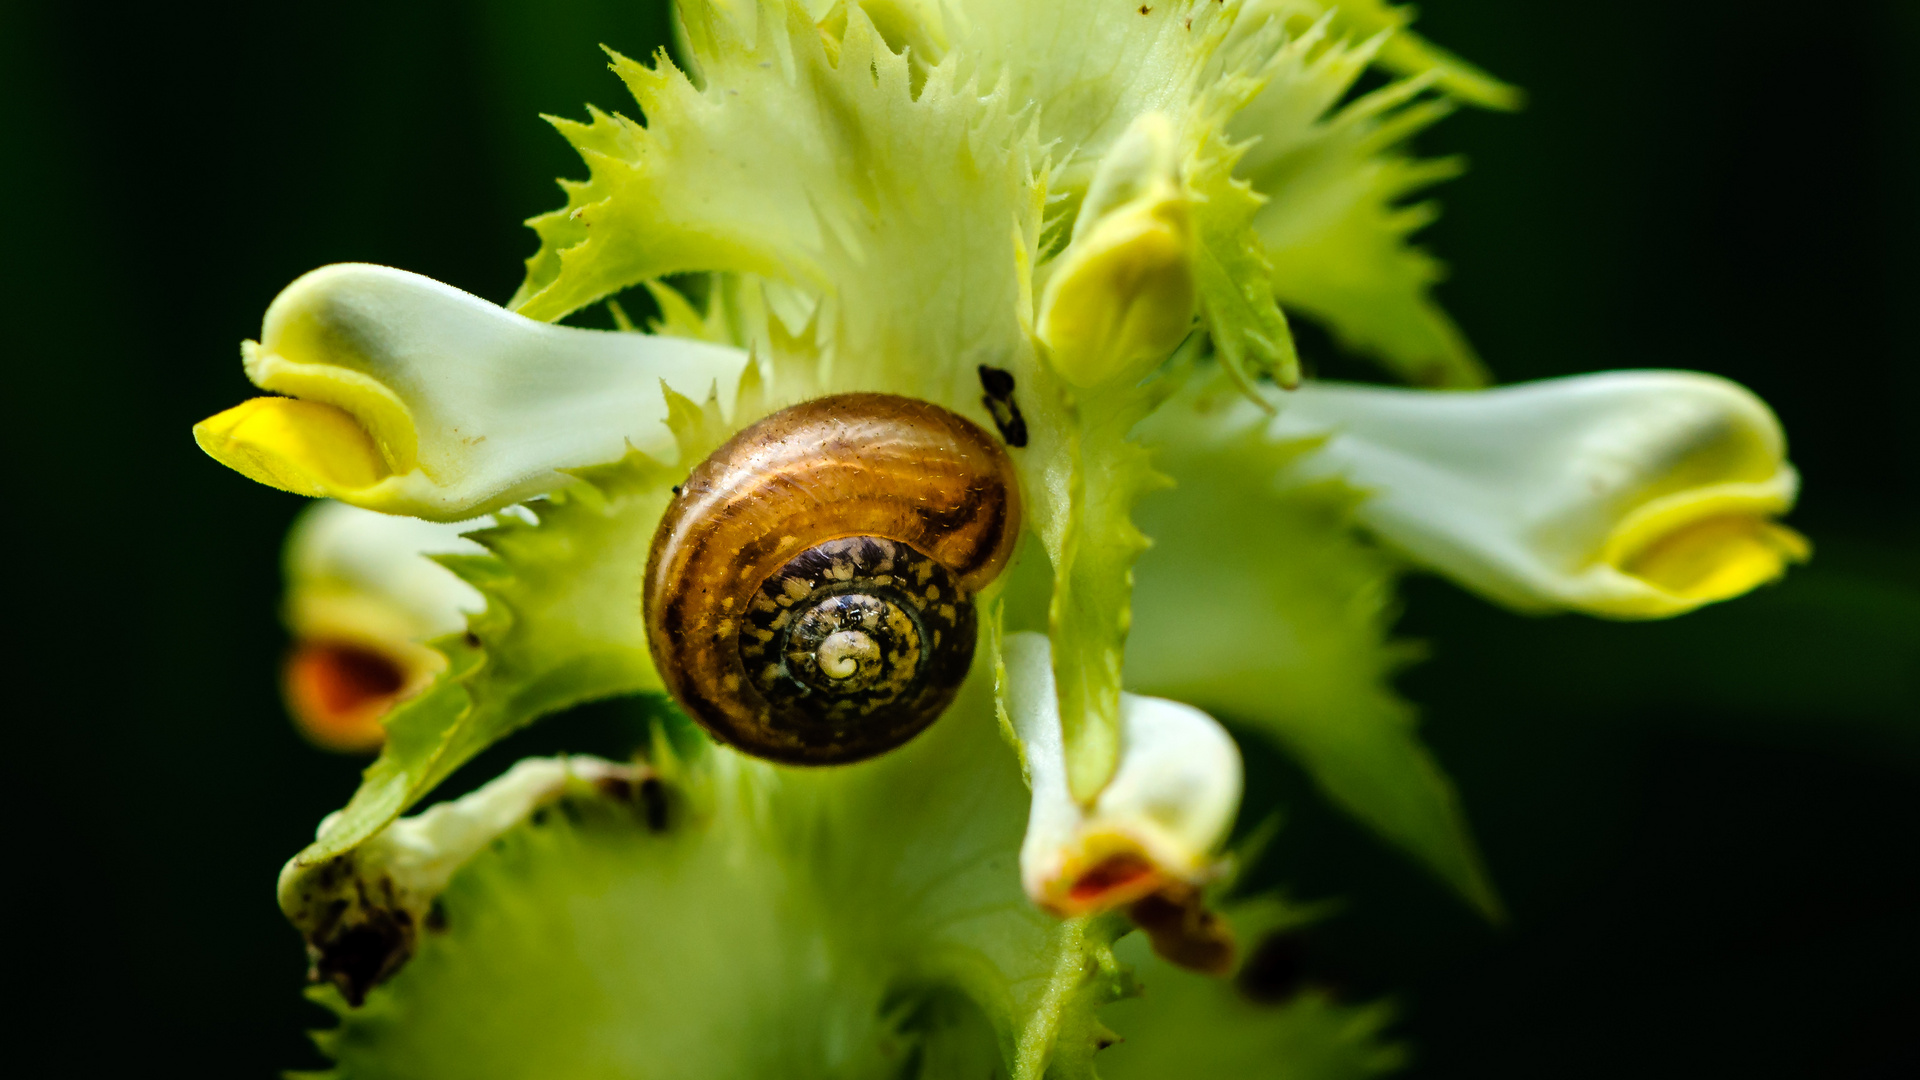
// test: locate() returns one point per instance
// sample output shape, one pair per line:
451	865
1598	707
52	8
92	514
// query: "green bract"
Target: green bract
1076	223
752	921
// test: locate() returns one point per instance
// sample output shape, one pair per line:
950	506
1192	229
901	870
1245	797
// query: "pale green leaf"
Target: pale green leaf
1092	553
1404	52
562	626
865	921
1335	225
1259	604
746	920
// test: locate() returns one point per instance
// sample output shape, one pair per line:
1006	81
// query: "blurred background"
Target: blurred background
1707	831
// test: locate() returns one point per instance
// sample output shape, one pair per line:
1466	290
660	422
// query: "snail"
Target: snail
809	593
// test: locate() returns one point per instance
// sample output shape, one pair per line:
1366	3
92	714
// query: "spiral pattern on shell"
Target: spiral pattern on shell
809	591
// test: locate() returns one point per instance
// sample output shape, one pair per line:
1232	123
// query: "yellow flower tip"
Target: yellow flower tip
1123	296
305	447
1118	875
339	691
1716	558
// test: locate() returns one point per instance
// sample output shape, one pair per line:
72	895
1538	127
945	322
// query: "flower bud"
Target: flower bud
1121	296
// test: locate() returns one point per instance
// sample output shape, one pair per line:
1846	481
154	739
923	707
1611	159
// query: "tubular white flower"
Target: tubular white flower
408	396
349	568
1155	825
1632	494
362	600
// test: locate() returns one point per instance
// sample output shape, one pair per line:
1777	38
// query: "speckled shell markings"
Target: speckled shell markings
895	469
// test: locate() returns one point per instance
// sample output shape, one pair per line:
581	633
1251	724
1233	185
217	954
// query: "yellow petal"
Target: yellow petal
299	446
1123	297
1717	558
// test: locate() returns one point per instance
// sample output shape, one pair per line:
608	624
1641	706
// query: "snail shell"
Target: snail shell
809	595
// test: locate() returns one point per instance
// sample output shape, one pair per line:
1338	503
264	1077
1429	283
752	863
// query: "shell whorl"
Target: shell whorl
809	591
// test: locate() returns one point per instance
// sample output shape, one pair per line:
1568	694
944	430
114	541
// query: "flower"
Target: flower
362	600
1158	822
1120	296
1150	839
1634	494
407	396
936	201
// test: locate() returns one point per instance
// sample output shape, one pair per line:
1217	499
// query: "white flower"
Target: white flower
1630	494
1156	825
362	600
411	397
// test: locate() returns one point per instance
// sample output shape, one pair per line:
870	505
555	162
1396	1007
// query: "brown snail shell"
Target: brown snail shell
809	595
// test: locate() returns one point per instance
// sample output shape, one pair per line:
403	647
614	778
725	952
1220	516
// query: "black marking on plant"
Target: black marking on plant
654	804
360	936
361	927
998	383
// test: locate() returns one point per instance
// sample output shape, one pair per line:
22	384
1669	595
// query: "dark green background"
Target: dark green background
1707	830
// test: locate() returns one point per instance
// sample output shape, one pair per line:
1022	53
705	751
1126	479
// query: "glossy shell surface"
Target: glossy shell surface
809	591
